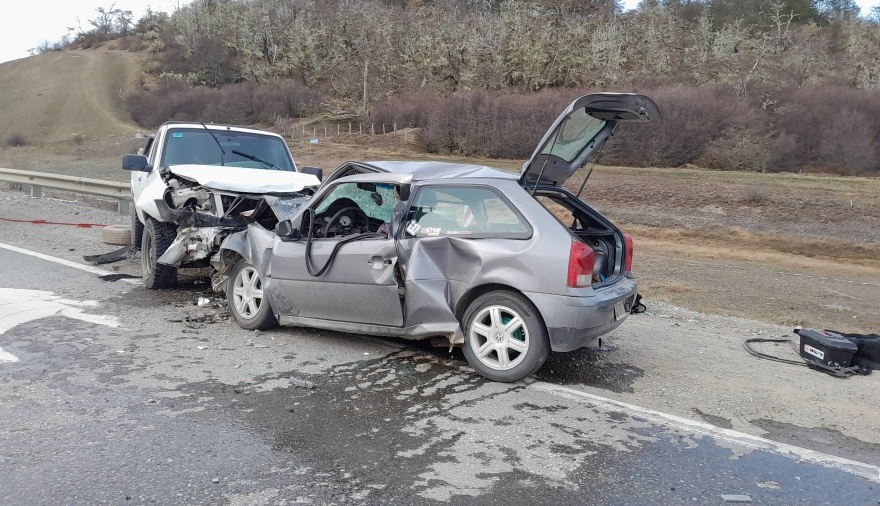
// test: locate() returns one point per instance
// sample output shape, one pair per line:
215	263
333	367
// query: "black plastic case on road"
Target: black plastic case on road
826	349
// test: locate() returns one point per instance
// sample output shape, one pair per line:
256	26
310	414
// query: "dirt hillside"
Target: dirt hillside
68	108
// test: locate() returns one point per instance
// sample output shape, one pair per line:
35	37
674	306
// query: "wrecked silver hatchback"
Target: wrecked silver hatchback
510	267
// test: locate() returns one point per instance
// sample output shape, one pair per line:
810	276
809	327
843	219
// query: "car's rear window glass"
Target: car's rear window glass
575	132
463	211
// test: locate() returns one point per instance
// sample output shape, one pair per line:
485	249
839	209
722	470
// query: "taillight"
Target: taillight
581	260
628	259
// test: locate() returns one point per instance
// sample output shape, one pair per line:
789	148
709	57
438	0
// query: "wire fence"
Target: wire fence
295	130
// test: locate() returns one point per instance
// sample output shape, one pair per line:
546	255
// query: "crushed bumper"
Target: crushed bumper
572	322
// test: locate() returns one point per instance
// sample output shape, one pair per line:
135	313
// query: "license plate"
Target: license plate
619	312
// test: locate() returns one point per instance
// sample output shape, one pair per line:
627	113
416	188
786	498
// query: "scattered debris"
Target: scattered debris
203	301
736	498
215	480
302	383
202	347
107	258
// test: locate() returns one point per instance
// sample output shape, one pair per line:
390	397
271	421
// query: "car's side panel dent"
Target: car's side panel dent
441	270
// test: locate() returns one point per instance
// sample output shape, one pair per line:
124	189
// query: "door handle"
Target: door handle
378	262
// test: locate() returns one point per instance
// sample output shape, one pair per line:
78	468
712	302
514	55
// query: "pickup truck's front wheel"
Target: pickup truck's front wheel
156	239
137	230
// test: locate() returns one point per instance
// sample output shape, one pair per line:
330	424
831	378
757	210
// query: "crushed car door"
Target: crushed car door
360	284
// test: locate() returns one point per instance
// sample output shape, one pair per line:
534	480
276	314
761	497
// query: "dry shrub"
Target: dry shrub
836	129
406	110
491	125
150	109
286	99
692	119
240	103
233	103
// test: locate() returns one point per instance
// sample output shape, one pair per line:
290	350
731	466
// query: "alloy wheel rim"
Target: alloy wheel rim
247	293
499	337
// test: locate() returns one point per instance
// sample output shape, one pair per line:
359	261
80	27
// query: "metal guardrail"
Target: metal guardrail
97	187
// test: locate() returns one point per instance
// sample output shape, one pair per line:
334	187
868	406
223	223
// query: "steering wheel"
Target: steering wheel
346	219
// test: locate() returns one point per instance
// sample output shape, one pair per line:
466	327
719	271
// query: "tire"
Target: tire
505	338
156	238
117	235
137	230
244	293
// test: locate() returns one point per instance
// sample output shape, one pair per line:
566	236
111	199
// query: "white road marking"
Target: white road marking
868	471
19	306
68	263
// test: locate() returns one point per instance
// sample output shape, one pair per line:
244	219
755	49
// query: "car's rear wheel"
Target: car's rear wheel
247	303
156	238
505	337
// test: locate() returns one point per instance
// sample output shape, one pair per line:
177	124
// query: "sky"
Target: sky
26	23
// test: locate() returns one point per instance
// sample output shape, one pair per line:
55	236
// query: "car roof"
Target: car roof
217	126
424	171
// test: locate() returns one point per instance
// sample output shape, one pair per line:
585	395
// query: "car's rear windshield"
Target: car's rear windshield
242	149
573	135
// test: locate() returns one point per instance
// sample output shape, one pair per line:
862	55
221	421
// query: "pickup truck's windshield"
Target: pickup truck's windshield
242	149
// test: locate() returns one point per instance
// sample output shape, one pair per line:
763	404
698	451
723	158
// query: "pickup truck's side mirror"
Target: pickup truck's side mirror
286	231
315	171
136	163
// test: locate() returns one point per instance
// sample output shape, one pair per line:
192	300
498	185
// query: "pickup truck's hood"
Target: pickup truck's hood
243	180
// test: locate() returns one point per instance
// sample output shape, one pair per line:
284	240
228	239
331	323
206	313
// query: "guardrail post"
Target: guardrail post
36	191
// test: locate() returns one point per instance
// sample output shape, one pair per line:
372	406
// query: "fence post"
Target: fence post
383	128
372	129
304	130
314	132
360	128
349	128
325	131
395	129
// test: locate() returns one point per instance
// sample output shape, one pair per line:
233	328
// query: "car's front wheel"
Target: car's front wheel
505	337
156	238
247	302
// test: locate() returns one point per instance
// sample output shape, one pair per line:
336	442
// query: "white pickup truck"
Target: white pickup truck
191	181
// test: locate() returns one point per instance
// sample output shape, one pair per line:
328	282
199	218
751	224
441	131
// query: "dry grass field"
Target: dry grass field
783	248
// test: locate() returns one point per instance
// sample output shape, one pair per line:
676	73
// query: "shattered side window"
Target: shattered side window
463	211
375	199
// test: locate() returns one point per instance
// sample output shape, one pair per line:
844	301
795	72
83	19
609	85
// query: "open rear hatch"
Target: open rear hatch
579	131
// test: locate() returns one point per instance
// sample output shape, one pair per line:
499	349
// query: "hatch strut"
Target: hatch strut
590	172
546	159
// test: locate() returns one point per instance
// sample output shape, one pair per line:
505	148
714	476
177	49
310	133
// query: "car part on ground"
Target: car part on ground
117	235
510	267
199	179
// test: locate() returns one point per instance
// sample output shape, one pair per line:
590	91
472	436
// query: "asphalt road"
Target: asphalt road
113	394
